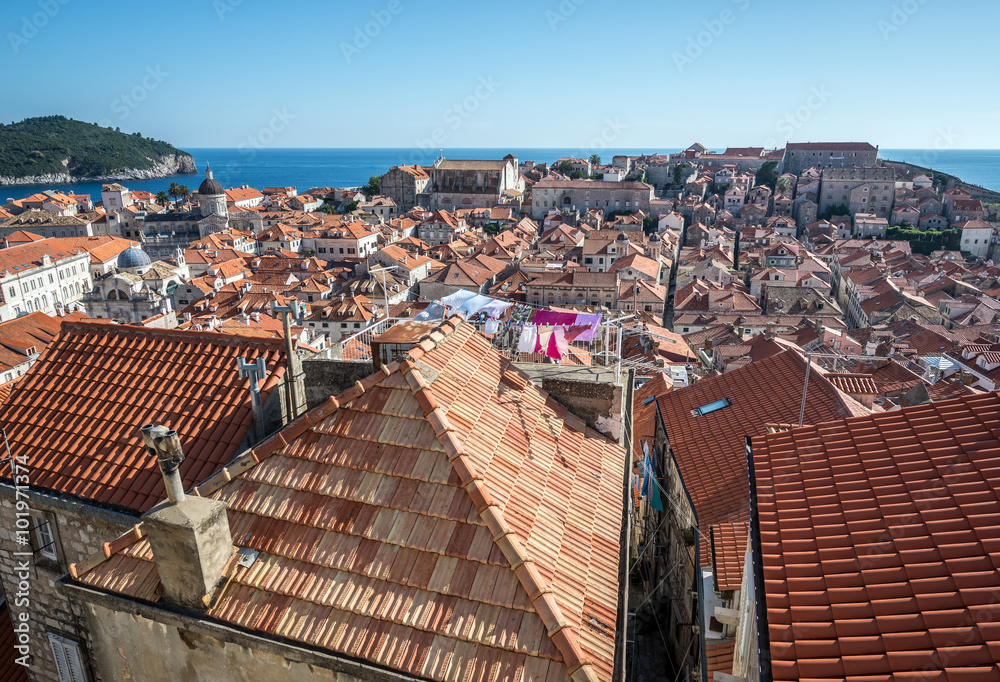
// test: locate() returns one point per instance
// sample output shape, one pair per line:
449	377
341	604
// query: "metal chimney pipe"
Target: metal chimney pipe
165	445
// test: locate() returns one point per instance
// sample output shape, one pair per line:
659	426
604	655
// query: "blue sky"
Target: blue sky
557	73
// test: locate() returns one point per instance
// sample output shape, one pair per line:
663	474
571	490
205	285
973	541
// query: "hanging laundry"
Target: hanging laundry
529	339
434	311
458	298
491	326
544	338
578	332
552	317
474	305
559	341
592	322
495	308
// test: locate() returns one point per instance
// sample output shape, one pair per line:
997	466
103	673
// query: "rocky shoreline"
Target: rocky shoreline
174	164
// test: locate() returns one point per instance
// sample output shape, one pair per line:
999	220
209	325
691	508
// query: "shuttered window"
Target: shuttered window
69	660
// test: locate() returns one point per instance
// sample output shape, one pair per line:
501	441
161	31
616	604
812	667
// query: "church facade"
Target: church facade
163	233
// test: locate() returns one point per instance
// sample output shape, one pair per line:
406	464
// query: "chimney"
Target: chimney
189	536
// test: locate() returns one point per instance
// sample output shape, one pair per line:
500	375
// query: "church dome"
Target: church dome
622	237
210	186
133	257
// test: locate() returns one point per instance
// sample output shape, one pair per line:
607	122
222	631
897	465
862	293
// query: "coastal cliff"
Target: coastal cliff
173	164
56	150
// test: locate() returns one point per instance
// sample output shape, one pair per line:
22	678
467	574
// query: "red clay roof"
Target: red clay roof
453	521
710	450
720	657
854	384
729	549
881	544
75	413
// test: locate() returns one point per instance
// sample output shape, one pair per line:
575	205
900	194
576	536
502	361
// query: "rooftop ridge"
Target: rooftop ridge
90	324
558	628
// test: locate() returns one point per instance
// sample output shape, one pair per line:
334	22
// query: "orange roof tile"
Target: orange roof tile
729	548
444	504
74	414
710	449
720	656
880	544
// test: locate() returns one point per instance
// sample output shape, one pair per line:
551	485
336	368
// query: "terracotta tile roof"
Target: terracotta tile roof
101	248
9	670
74	413
24	257
729	548
450	519
854	383
720	657
879	540
22	237
710	449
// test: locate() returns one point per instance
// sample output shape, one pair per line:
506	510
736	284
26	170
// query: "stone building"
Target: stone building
49	224
89	476
42	276
800	156
469	183
575	288
407	186
582	195
137	289
863	189
441	227
165	231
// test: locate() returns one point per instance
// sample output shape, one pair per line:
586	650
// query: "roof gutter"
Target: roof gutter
757	560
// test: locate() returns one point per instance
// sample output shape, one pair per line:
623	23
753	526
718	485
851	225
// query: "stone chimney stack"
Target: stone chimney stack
189	536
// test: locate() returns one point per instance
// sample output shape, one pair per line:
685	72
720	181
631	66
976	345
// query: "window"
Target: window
69	660
45	542
712	407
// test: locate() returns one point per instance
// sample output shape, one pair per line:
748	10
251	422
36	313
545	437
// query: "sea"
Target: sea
351	167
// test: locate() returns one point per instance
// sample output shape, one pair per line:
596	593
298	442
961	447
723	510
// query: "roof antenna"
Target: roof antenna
256	372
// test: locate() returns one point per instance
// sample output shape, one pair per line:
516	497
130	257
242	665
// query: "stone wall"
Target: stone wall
136	642
79	532
588	392
326	377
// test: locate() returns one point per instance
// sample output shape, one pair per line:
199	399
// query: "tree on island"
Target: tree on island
767	175
174	190
595	159
183	192
162	199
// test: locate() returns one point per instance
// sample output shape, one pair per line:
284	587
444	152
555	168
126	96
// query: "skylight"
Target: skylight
712	407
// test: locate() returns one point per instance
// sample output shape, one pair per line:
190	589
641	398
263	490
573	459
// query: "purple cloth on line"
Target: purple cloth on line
553	317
